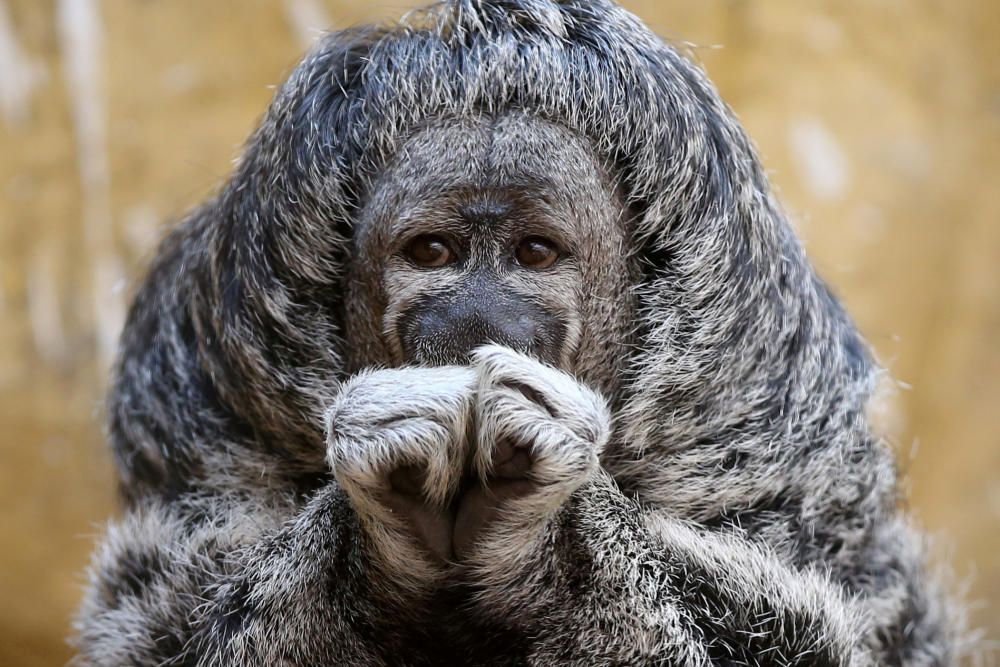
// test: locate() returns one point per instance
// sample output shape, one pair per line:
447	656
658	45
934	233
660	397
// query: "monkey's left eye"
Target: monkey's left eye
429	251
536	252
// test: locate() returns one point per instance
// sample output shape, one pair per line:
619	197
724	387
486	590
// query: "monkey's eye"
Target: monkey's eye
536	252
429	251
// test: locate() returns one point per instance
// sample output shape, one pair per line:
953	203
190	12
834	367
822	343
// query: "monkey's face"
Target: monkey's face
497	230
481	266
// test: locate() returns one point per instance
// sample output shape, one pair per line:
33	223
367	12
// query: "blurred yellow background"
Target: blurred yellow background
879	121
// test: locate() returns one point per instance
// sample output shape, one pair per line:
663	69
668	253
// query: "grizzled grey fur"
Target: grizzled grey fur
706	487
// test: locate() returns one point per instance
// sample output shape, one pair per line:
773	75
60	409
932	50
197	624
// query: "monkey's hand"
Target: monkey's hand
397	440
539	435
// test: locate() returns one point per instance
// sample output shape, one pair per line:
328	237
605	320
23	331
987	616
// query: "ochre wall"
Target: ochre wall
879	121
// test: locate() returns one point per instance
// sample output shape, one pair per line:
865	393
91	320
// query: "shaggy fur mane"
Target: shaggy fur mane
743	407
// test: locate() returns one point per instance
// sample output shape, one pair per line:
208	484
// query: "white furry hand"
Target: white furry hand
539	435
397	441
441	453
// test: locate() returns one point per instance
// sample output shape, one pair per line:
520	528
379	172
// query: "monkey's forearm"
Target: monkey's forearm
604	581
220	589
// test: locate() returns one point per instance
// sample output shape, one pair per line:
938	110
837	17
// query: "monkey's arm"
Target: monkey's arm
239	580
214	581
605	582
567	558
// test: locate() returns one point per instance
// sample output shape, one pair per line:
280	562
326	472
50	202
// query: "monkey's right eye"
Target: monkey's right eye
429	251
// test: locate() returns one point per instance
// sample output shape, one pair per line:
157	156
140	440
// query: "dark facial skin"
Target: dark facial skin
485	255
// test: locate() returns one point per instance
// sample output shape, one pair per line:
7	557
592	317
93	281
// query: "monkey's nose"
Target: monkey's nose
515	330
454	329
445	328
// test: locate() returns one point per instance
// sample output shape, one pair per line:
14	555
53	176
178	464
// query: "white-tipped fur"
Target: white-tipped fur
385	419
561	424
567	422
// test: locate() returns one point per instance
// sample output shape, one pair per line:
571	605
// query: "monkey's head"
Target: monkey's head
543	174
495	229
